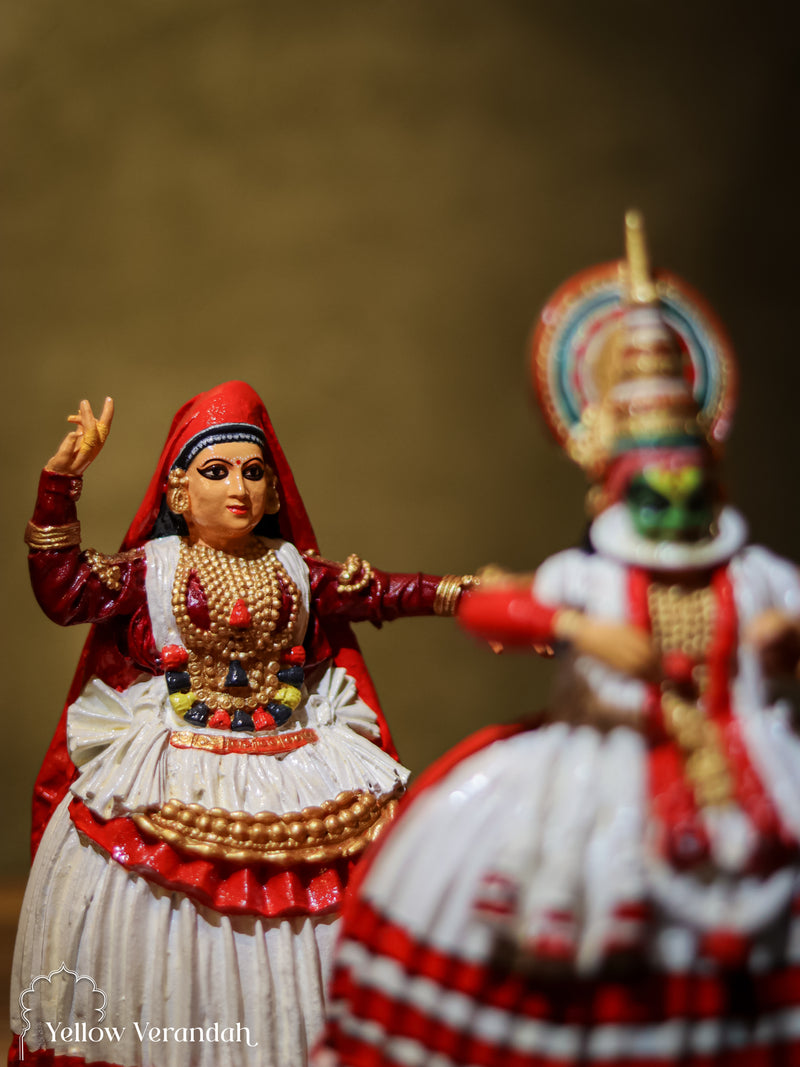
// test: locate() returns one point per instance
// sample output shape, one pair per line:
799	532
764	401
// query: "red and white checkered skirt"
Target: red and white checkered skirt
422	980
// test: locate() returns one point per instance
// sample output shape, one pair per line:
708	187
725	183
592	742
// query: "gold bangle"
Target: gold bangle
52	538
448	592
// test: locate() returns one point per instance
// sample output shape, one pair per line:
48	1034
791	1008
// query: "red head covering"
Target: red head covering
232	411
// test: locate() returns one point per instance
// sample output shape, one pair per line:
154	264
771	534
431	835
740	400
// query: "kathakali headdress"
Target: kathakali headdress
632	367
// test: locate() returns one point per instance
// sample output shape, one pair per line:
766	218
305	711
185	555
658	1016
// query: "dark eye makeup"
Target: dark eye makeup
254	472
215	472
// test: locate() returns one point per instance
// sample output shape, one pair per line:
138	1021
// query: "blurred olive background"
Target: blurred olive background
359	208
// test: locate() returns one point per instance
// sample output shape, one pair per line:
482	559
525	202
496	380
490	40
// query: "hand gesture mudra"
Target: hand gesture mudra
80	447
776	637
623	647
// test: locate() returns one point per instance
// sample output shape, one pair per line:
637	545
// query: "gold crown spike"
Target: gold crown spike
641	287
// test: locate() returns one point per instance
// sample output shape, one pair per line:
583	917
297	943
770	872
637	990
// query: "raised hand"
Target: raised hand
80	447
776	636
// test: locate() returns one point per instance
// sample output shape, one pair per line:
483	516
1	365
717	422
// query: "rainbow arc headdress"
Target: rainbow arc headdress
628	364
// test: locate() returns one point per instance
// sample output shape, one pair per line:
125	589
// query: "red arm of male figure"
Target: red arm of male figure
508	614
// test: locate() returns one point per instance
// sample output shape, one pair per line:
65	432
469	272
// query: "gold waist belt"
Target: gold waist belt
336	829
222	745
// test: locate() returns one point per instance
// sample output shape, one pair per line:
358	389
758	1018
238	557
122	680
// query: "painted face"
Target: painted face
672	504
229	489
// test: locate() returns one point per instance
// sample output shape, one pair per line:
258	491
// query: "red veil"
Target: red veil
231	404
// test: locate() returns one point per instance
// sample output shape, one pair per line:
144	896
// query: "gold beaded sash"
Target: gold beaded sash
336	829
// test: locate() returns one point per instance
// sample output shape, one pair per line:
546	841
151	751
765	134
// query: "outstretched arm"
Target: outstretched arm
356	591
510	614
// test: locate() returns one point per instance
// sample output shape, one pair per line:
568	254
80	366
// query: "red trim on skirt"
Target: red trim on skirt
46	1056
353	1052
307	889
644	999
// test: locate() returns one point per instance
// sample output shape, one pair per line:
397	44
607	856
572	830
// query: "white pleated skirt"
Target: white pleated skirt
162	979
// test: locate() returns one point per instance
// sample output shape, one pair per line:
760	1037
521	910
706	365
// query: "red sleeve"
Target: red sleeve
509	614
72	586
382	598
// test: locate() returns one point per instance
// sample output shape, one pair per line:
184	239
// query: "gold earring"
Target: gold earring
178	492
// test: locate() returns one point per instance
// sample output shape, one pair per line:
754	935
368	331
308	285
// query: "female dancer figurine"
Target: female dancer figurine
616	881
221	763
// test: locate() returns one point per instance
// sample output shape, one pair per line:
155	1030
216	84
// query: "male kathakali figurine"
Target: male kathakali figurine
616	881
220	765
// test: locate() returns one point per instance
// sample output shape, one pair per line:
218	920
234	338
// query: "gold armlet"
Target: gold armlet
566	624
105	567
449	590
355	575
52	538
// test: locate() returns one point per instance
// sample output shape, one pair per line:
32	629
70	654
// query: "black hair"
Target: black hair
168	523
214	435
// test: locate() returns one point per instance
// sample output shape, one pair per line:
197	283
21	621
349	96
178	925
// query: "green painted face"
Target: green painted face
672	504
